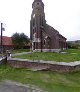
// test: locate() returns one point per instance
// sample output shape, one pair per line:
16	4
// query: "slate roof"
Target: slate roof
51	31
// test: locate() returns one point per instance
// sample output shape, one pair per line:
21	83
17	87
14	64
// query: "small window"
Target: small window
37	3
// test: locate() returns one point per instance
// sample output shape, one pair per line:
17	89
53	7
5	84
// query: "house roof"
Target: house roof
6	40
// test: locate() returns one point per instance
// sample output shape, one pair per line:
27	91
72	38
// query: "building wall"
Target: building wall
43	36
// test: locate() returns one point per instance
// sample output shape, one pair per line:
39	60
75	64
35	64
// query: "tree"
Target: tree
20	40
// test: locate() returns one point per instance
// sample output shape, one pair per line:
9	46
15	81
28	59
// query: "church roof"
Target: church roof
50	30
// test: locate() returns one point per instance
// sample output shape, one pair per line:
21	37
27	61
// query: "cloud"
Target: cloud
63	15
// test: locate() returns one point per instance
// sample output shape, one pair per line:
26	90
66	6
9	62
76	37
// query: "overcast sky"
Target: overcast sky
63	15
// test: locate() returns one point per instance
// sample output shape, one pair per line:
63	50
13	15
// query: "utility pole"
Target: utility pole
1	37
2	29
1	34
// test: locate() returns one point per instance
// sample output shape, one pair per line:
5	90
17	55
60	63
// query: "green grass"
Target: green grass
70	56
48	81
19	51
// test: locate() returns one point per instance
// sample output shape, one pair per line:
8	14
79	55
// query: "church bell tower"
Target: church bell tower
37	24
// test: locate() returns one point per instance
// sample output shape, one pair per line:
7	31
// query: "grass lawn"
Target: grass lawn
19	51
48	81
70	56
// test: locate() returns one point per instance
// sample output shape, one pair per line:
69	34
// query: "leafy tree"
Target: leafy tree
74	44
20	40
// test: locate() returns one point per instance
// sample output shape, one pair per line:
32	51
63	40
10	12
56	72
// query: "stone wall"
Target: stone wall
36	65
64	68
33	65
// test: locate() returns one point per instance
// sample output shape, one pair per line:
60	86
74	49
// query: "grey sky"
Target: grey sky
63	15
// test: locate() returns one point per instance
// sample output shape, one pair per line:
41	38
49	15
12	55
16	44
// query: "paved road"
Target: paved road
8	86
12	88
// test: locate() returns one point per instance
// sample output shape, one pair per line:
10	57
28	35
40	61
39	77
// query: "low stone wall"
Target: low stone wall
64	68
37	65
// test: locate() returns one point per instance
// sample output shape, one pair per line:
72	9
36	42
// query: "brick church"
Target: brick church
44	38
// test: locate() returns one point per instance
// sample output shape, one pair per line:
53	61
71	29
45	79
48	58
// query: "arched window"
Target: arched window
47	40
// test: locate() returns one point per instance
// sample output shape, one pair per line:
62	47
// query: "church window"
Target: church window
37	3
44	41
48	42
34	35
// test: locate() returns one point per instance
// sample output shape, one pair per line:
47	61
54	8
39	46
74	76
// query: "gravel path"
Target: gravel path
9	86
16	54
